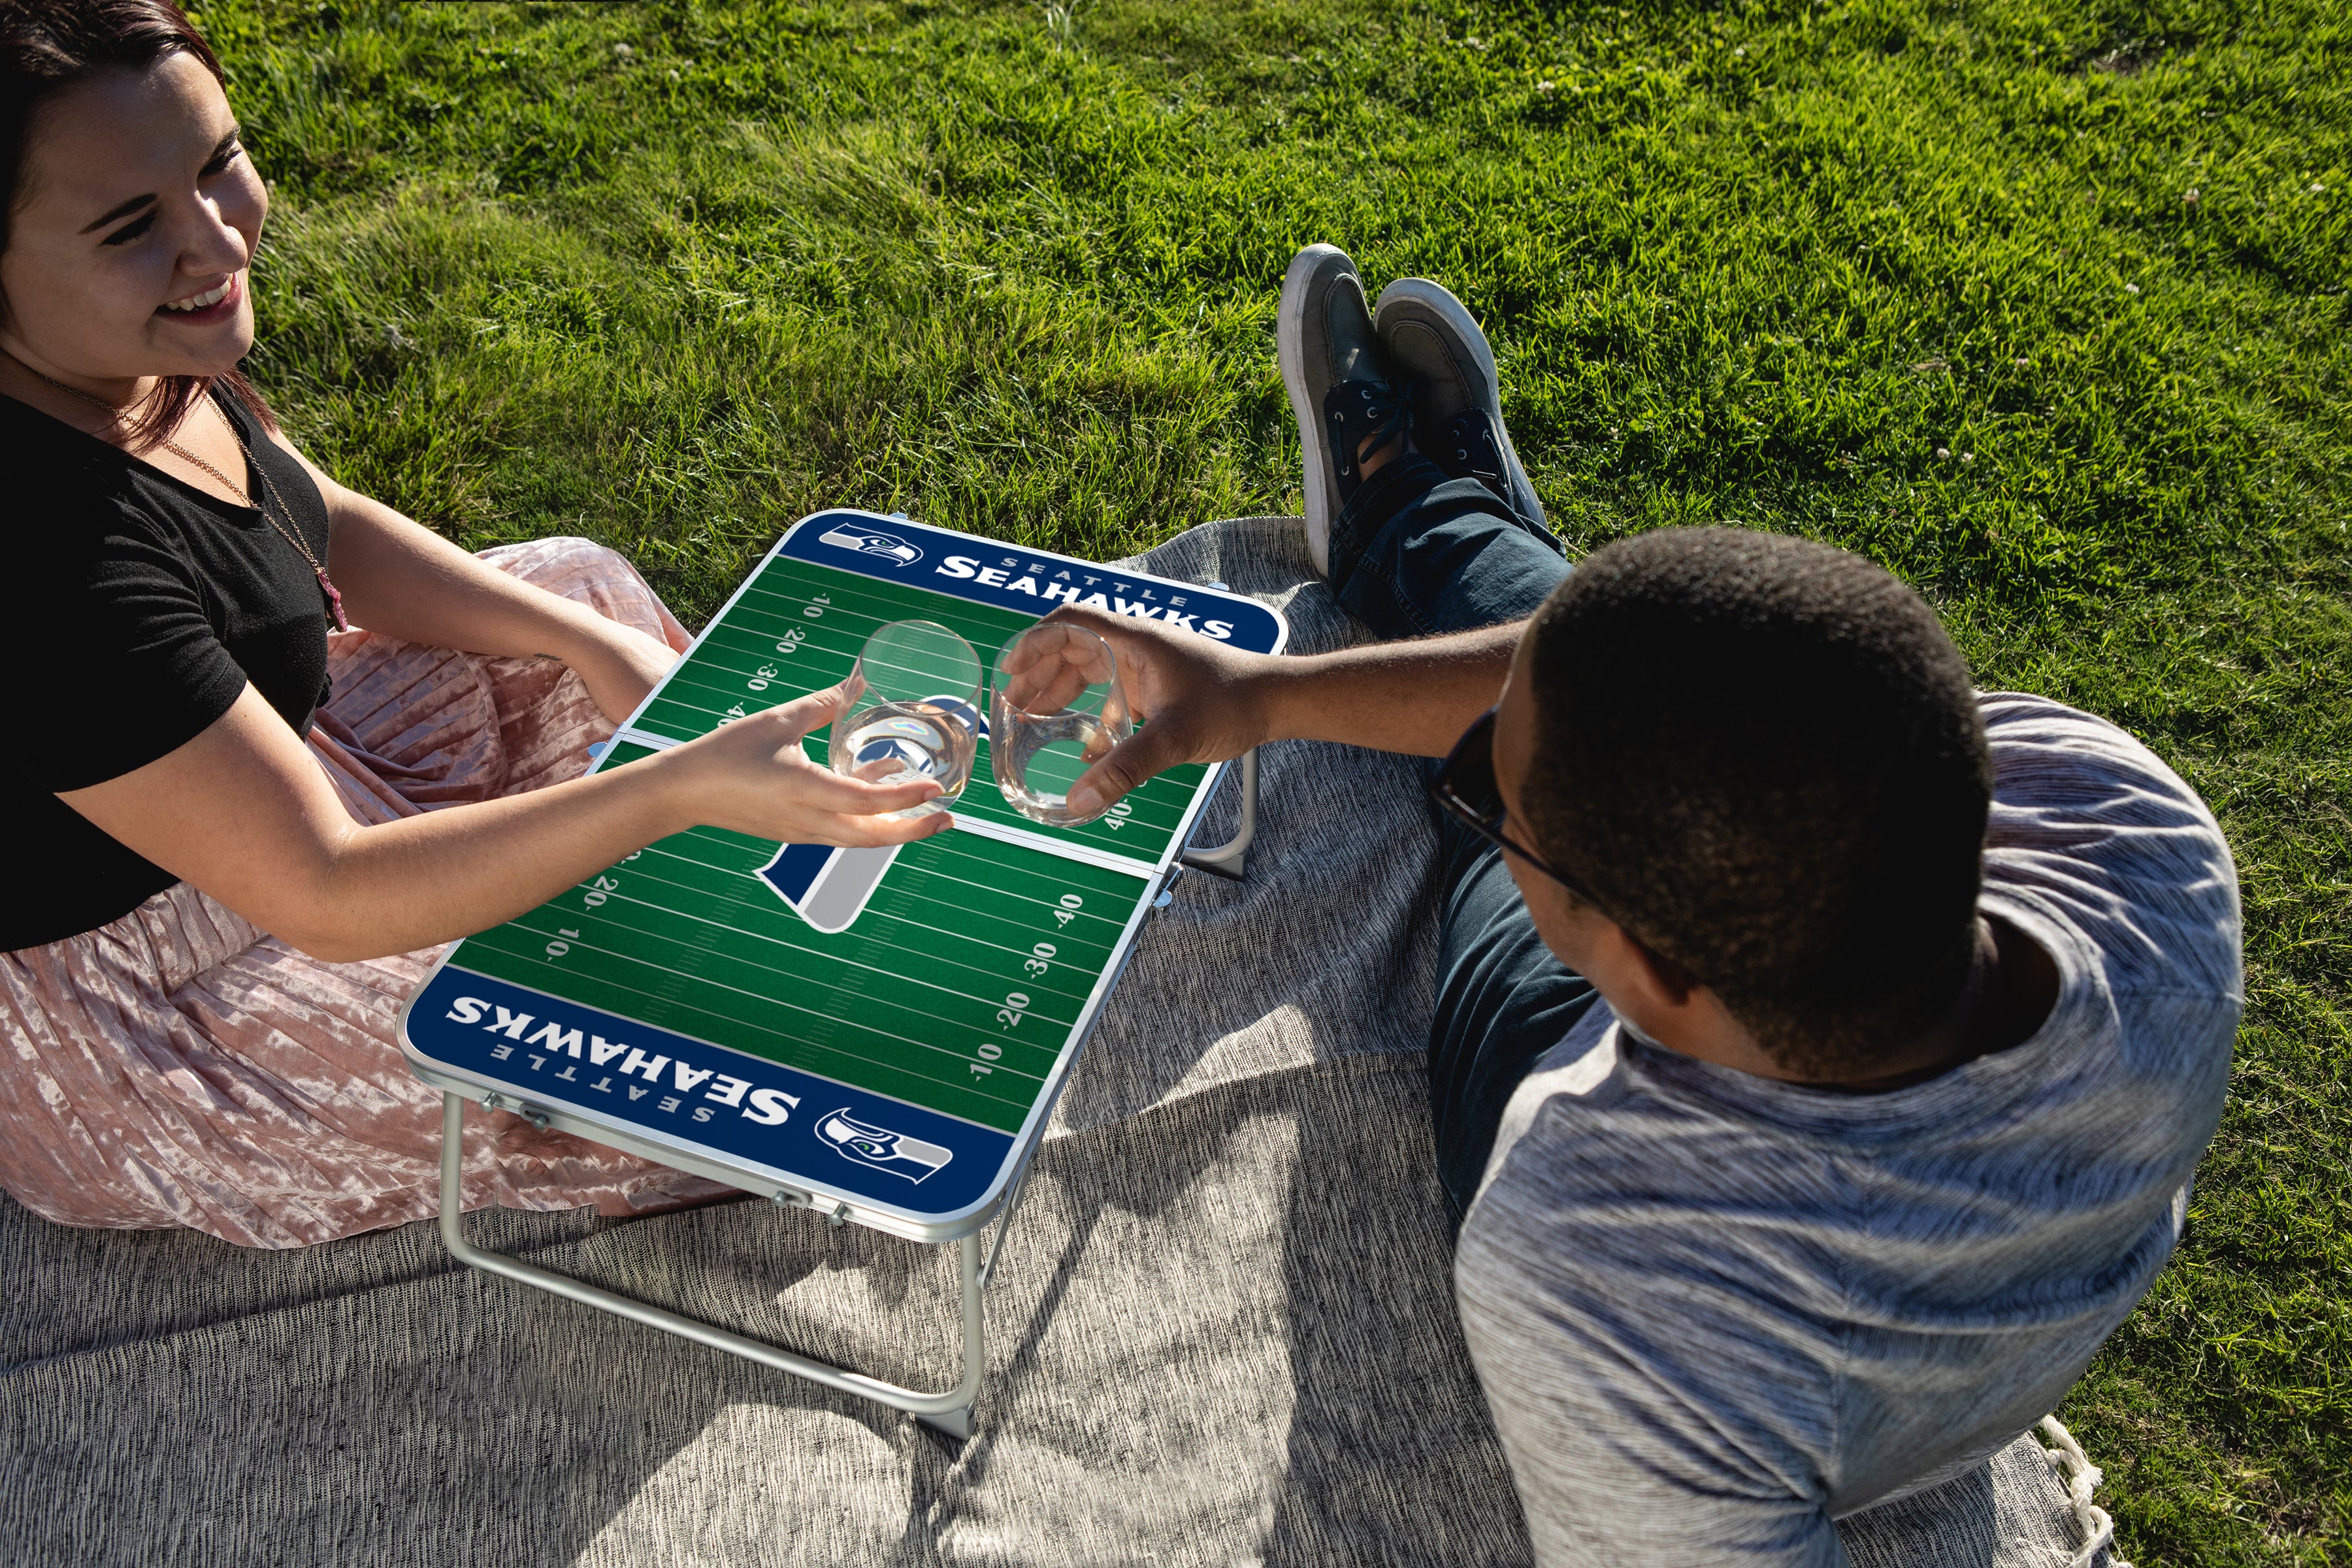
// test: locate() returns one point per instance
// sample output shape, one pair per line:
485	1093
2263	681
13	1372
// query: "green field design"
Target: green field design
909	1001
968	975
803	625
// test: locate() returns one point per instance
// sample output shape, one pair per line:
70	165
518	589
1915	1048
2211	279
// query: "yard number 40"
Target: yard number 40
1016	1003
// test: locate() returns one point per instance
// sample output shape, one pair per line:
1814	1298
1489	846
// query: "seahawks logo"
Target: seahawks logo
884	1150
824	885
873	541
829	887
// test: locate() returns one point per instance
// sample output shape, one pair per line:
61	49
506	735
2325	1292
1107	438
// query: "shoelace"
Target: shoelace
1388	410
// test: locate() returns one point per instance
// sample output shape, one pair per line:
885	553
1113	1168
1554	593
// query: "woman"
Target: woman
198	760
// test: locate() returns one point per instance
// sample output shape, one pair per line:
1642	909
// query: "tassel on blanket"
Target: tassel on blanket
2081	1477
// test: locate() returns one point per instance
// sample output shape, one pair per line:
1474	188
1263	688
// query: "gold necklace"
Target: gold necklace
291	535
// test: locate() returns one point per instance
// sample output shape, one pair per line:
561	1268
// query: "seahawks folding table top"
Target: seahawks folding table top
877	1034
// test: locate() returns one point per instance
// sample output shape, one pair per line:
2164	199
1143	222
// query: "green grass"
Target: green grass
1013	269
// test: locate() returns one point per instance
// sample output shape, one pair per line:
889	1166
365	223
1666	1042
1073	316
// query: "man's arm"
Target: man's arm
1206	702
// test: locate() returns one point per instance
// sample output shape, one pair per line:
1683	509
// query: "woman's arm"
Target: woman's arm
400	578
245	812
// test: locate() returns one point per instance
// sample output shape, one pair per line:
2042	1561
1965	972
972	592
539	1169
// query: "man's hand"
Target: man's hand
1202	701
1209	702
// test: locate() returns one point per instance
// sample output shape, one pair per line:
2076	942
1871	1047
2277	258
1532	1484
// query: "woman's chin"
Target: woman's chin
214	351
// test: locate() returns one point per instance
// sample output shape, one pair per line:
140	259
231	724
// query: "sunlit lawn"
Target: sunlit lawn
2041	305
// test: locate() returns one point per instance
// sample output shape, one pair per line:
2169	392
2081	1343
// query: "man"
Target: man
1822	1052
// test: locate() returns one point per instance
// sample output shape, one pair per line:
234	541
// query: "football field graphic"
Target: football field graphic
887	1025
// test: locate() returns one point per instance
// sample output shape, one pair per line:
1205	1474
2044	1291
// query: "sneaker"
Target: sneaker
1434	343
1338	380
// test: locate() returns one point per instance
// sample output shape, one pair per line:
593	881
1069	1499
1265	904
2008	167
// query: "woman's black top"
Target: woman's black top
138	609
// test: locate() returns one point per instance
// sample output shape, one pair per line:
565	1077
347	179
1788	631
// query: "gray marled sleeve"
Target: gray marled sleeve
1629	1414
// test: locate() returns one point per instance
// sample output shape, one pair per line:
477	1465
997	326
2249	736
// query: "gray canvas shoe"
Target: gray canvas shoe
1338	380
1435	346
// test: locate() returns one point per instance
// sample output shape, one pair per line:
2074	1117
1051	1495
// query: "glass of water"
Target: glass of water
914	711
1054	708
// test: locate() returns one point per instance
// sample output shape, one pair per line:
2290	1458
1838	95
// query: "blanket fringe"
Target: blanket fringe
2073	1468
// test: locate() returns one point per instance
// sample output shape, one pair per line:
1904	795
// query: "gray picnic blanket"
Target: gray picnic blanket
1222	1329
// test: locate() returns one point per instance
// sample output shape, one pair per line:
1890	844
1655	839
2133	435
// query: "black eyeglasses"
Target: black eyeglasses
1464	785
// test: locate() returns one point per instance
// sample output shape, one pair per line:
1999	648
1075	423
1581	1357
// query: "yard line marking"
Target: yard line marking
715	1045
938	1018
760	900
982	828
1094	950
929	957
770	1001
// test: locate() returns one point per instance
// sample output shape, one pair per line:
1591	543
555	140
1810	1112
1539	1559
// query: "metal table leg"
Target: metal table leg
1229	860
950	1412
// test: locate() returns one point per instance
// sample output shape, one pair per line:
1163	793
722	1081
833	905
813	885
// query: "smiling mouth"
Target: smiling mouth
205	302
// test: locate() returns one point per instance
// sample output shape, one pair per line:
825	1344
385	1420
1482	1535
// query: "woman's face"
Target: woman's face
136	218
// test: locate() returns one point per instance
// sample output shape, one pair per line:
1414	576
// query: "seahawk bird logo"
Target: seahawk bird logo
873	541
881	1148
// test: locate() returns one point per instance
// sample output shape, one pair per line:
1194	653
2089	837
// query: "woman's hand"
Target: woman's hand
752	776
620	665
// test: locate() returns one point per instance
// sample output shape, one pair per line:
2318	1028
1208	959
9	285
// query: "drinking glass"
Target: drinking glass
914	711
1055	709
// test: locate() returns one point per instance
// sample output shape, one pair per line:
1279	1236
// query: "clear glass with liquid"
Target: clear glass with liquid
1056	708
914	711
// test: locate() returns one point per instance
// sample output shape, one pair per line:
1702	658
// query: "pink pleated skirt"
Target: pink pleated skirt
182	1067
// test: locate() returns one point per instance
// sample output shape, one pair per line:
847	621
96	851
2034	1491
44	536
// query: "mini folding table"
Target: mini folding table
875	1034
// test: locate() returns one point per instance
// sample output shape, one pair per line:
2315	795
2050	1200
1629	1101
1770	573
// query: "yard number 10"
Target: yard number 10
1016	1003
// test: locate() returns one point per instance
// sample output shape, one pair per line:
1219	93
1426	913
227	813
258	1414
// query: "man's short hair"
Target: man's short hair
1764	757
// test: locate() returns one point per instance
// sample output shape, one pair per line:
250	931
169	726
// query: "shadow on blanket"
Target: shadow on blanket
1222	1329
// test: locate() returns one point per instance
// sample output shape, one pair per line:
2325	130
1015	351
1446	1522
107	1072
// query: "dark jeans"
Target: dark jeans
1413	554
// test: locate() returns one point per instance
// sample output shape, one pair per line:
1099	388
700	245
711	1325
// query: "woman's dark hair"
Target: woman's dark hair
47	45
